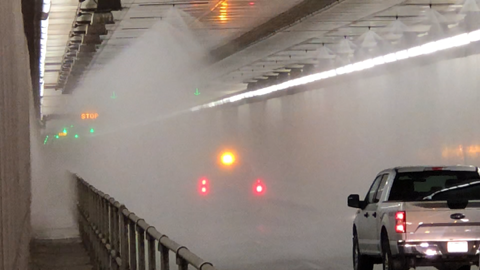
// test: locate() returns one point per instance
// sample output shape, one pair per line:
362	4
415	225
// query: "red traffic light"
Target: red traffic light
203	186
259	188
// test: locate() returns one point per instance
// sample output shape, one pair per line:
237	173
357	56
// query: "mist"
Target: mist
311	150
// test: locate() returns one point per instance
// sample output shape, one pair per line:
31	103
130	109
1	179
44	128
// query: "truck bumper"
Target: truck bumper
436	253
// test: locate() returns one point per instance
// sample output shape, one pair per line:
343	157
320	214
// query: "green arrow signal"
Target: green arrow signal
197	92
113	96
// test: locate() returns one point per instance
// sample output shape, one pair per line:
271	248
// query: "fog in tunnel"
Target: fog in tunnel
311	149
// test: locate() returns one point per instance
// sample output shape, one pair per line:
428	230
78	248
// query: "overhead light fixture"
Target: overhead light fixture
428	48
43	43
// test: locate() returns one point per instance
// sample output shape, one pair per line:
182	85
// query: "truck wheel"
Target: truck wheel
360	262
390	263
465	267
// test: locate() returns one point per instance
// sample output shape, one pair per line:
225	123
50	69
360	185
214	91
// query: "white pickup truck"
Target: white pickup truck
419	216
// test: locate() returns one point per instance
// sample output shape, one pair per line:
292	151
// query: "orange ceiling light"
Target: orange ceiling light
223	12
228	158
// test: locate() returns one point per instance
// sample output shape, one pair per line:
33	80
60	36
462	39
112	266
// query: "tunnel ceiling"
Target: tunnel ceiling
340	29
67	37
255	40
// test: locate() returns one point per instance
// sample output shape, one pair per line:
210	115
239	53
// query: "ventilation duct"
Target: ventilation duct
70	55
109	5
271	79
88	28
73	46
91	39
308	69
80	29
295	73
283	77
75	39
88	6
84	18
87	48
262	82
83	63
102	18
78	72
96	29
251	86
85	56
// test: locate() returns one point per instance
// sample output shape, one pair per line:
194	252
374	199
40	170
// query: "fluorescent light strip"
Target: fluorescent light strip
427	48
43	44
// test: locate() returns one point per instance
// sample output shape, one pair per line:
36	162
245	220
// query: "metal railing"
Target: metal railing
118	239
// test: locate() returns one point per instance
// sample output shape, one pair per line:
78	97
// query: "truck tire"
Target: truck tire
360	262
388	261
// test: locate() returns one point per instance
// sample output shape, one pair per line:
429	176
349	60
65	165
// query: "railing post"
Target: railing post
94	213
182	263
105	233
133	244
152	264
164	257
110	221
123	237
141	247
116	227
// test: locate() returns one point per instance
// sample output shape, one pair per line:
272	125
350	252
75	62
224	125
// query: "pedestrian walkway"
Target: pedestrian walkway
62	254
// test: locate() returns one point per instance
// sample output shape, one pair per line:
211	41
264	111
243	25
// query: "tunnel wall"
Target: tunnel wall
53	194
311	149
15	104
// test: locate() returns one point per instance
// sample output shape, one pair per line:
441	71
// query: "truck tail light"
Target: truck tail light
400	222
203	186
259	188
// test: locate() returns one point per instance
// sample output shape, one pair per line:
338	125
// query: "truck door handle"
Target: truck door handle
366	215
374	214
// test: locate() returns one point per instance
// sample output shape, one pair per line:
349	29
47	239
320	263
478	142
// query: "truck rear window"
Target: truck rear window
435	185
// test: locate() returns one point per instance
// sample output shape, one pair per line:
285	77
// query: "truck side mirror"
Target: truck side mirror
354	201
